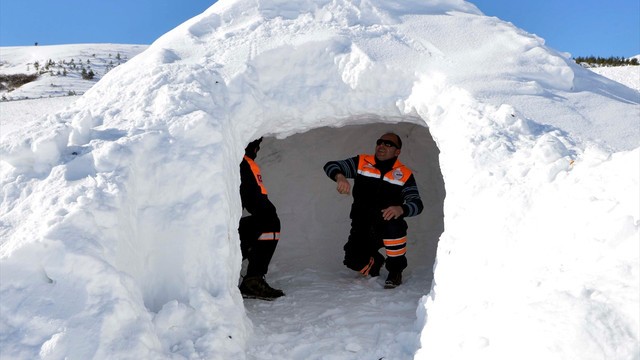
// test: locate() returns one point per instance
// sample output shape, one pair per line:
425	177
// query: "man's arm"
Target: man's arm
340	170
347	167
412	202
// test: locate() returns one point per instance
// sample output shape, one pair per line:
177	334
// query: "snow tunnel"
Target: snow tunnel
315	217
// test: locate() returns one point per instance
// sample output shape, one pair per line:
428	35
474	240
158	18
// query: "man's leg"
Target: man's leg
361	250
262	252
394	237
268	233
248	234
267	230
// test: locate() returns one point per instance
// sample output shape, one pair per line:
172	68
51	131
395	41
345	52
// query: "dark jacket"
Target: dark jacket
252	192
378	185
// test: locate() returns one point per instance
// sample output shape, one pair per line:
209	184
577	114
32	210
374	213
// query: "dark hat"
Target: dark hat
251	148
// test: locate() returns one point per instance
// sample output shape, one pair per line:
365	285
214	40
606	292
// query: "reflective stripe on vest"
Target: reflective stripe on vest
269	236
256	173
398	175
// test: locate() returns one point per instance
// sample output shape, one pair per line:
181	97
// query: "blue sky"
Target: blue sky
581	27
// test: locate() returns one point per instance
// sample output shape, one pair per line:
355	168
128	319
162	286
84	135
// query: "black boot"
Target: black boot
378	261
394	279
255	287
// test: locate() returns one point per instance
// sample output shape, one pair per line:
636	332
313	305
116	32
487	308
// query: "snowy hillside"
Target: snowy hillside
119	212
60	67
626	75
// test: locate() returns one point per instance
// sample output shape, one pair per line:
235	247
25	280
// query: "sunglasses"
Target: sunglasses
387	143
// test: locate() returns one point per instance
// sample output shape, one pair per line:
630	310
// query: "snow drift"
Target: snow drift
128	200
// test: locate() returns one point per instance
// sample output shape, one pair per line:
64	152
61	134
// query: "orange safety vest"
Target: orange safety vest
398	175
256	172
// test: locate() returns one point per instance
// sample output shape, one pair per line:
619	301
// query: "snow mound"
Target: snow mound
119	213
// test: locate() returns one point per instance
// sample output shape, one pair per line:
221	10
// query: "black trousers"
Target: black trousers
368	236
259	237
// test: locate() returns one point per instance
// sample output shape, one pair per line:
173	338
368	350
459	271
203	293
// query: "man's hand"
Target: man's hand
343	184
392	212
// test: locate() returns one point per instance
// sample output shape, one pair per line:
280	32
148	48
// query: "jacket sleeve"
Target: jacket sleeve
412	202
250	193
347	167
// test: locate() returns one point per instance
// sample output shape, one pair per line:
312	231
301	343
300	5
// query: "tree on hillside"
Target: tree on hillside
600	61
87	75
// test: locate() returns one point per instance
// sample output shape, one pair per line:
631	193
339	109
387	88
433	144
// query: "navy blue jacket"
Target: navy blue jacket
378	185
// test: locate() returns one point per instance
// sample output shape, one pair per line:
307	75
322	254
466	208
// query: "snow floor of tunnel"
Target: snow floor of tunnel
337	315
329	311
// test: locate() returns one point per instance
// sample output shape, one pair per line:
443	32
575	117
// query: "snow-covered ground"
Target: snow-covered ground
15	115
627	75
120	207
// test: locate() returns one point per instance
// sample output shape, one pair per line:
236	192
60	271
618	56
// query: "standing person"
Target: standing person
259	232
384	193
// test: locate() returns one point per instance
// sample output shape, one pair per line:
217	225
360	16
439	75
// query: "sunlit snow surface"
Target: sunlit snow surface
119	213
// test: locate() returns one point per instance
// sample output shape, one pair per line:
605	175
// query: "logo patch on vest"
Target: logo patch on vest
397	174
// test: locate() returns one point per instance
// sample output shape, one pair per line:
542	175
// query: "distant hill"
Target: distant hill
58	70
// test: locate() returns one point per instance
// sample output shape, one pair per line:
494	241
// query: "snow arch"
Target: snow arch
315	217
323	296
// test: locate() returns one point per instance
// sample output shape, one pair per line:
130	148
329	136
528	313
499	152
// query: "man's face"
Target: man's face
384	151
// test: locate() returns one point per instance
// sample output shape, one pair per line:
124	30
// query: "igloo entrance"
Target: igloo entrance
323	296
315	218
